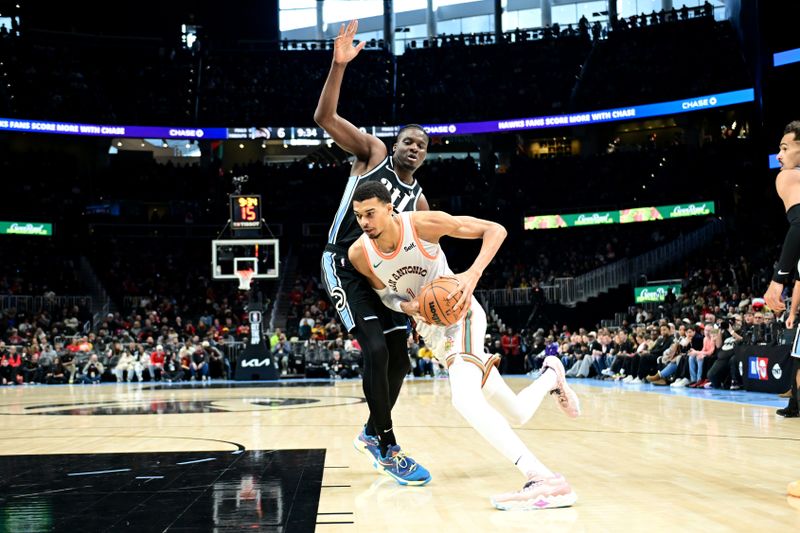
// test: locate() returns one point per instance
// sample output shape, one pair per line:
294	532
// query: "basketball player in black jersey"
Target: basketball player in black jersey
787	185
381	332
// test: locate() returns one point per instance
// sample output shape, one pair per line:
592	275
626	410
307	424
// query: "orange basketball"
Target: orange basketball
434	306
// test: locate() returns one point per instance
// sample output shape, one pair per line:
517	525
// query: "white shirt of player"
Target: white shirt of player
412	264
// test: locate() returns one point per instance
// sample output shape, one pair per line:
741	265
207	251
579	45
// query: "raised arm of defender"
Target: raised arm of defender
368	149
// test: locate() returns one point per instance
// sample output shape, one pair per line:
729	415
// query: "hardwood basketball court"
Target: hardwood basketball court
279	457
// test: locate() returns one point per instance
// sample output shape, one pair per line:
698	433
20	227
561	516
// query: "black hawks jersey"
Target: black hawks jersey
345	229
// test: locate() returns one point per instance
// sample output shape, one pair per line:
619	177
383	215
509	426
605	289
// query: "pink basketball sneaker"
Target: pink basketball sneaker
565	397
538	493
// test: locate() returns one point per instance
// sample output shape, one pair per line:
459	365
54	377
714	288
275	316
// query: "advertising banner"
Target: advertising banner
35	229
674	107
623	216
654	293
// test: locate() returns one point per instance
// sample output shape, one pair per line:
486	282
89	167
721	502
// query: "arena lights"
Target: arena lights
623	216
317	135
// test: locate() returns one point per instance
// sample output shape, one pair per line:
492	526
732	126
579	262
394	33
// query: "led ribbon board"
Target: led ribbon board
786	58
623	216
674	107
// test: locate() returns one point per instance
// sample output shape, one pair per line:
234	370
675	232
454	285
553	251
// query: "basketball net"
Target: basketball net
245	278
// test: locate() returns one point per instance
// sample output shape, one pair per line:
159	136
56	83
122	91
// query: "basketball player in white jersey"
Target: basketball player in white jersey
399	253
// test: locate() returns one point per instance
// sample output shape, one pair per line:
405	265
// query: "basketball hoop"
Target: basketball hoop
245	278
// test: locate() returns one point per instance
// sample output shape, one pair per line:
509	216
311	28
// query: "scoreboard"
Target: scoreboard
245	211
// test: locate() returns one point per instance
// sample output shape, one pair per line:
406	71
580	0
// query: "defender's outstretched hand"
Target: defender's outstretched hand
343	49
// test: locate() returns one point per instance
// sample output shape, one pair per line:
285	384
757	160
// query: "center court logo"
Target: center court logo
255	401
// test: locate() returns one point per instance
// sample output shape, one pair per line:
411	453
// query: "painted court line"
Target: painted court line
98	472
197	461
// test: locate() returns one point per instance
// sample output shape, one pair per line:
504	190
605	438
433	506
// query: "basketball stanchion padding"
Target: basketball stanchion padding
245	278
434	306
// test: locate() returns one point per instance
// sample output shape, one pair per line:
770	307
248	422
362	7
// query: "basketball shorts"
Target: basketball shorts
463	340
352	296
796	343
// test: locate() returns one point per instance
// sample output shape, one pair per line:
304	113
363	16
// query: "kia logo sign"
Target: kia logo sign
256	363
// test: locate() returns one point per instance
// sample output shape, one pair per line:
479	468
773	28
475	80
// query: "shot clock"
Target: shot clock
245	211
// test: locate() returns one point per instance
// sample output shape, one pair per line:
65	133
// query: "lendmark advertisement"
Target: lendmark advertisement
37	229
592	219
654	293
623	216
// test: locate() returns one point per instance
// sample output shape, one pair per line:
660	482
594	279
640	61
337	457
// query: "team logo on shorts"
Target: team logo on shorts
449	342
339	298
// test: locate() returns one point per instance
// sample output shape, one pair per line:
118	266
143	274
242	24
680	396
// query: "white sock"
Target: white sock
518	408
465	386
532	467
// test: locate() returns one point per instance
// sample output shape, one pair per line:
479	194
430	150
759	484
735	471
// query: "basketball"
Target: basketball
434	306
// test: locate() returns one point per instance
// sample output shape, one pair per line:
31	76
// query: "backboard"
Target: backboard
230	255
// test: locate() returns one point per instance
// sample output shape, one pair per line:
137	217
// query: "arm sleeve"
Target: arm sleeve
790	252
390	299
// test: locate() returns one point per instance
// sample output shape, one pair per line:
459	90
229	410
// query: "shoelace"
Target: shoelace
530	484
402	461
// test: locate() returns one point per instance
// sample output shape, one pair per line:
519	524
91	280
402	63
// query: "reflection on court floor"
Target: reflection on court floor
257	490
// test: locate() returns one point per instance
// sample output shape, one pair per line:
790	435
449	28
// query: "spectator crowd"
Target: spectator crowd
77	77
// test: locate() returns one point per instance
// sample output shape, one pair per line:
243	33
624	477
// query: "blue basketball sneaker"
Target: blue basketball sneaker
401	467
367	444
